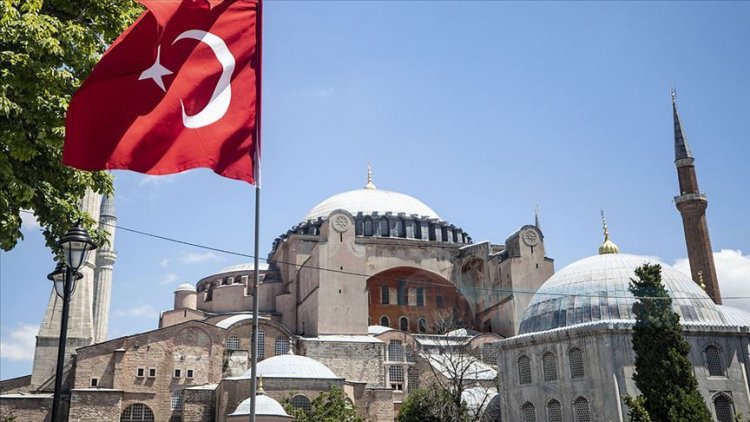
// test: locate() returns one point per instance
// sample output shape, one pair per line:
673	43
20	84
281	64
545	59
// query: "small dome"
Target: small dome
185	287
264	406
370	200
292	366
596	289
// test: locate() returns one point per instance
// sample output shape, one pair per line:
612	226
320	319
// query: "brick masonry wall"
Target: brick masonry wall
360	362
28	409
95	405
198	406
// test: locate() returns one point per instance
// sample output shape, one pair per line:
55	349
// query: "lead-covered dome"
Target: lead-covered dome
596	289
292	366
370	201
264	406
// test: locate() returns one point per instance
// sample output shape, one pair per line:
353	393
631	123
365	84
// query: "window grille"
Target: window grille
489	354
385	297
404	323
137	412
409	354
384	321
281	346
396	377
261	351
528	412
412	374
576	363
233	343
420	296
176	400
524	370
554	411
175	419
402	298
301	402
723	407
395	351
713	361
581	406
550	367
422	325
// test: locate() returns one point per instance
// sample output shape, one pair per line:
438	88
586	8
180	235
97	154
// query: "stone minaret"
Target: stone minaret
81	321
692	205
105	260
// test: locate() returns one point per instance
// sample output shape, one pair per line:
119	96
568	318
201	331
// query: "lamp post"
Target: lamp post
76	245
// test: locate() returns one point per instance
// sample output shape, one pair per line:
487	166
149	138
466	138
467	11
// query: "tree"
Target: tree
430	404
664	374
329	406
47	47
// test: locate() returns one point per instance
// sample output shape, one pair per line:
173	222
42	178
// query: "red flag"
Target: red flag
179	89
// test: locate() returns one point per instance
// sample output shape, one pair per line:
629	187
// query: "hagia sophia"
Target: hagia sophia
371	291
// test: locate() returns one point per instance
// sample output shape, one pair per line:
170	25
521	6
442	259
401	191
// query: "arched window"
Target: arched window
301	402
401	227
554	411
524	370
417	229
581	407
489	353
528	412
422	325
176	403
384	321
261	344
233	343
575	355
723	408
368	226
395	351
713	361
385	230
137	412
281	346
550	366
403	323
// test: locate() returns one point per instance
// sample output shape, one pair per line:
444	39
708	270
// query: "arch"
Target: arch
137	412
582	410
575	358
528	412
368	226
385	230
301	402
401	227
281	346
712	357
403	323
385	321
549	362
524	370
554	411
233	343
723	407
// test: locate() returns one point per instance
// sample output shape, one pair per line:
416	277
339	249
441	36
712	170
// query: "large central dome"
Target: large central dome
370	200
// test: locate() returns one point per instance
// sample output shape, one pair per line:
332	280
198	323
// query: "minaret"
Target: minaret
692	205
105	260
80	322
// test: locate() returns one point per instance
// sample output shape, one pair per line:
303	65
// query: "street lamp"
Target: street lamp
76	245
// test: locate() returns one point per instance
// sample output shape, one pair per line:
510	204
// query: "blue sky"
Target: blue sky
479	109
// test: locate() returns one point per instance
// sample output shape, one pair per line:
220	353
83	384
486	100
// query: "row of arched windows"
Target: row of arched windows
554	412
403	323
549	366
281	344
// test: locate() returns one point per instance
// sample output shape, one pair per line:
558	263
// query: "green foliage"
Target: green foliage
47	47
329	406
637	412
664	374
432	404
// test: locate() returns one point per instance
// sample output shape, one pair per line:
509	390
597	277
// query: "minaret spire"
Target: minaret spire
536	216
608	246
692	204
369	184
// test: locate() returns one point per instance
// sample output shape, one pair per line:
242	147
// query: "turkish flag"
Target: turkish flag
179	89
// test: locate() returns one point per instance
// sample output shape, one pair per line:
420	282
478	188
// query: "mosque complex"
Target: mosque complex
374	293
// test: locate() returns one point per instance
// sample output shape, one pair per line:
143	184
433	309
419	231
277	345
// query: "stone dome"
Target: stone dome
264	406
370	200
292	366
596	289
185	287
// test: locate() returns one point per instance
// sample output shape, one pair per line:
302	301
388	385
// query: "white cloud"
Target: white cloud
28	220
141	311
156	181
164	263
19	345
194	257
169	278
733	270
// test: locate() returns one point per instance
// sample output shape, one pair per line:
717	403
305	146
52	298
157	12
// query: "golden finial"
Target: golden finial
369	184
260	391
608	246
700	278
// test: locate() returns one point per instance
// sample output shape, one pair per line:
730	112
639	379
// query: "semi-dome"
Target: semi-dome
292	366
264	406
369	201
596	289
187	287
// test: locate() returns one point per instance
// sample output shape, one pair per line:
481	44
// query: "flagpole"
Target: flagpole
256	254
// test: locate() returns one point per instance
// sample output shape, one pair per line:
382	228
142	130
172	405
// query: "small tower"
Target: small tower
105	260
692	205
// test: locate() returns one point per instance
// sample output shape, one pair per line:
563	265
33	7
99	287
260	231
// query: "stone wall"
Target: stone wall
377	405
90	405
198	405
36	408
356	361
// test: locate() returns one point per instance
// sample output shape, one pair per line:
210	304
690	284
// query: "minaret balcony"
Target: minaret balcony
690	197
